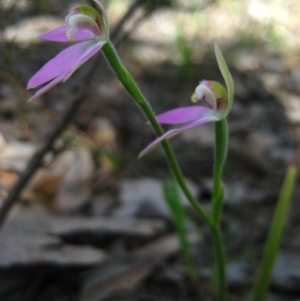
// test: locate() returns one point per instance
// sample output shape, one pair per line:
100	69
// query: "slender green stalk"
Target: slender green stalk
275	233
221	136
220	256
132	88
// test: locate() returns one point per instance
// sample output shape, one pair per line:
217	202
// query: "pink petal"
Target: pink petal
63	62
92	49
47	87
183	115
59	35
82	35
172	133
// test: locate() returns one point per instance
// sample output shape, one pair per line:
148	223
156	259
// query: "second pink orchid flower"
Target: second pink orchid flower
212	92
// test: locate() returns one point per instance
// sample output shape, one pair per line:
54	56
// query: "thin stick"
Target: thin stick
37	158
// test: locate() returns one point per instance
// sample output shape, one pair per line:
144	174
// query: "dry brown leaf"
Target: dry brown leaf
65	184
76	187
7	178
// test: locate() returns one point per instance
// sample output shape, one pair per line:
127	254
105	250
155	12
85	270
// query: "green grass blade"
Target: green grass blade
275	234
173	200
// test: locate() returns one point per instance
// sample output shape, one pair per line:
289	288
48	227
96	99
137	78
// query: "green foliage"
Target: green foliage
40	6
173	200
275	234
154	5
226	75
185	51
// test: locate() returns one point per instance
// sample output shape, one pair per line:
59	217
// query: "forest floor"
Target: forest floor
92	223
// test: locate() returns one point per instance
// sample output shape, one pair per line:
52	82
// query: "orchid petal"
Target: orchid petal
60	35
172	133
61	63
47	87
183	115
88	53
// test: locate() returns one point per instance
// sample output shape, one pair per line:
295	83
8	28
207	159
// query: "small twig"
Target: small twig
58	127
127	16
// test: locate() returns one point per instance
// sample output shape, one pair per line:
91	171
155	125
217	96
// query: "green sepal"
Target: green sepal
226	75
221	97
104	18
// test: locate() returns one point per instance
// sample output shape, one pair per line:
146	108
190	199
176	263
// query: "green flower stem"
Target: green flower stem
221	136
275	233
132	88
220	256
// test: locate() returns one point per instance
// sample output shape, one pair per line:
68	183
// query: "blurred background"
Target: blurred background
92	222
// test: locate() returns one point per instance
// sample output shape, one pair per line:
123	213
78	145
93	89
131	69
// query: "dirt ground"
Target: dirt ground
92	223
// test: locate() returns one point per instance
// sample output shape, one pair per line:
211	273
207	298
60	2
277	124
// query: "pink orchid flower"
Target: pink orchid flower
86	27
212	92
